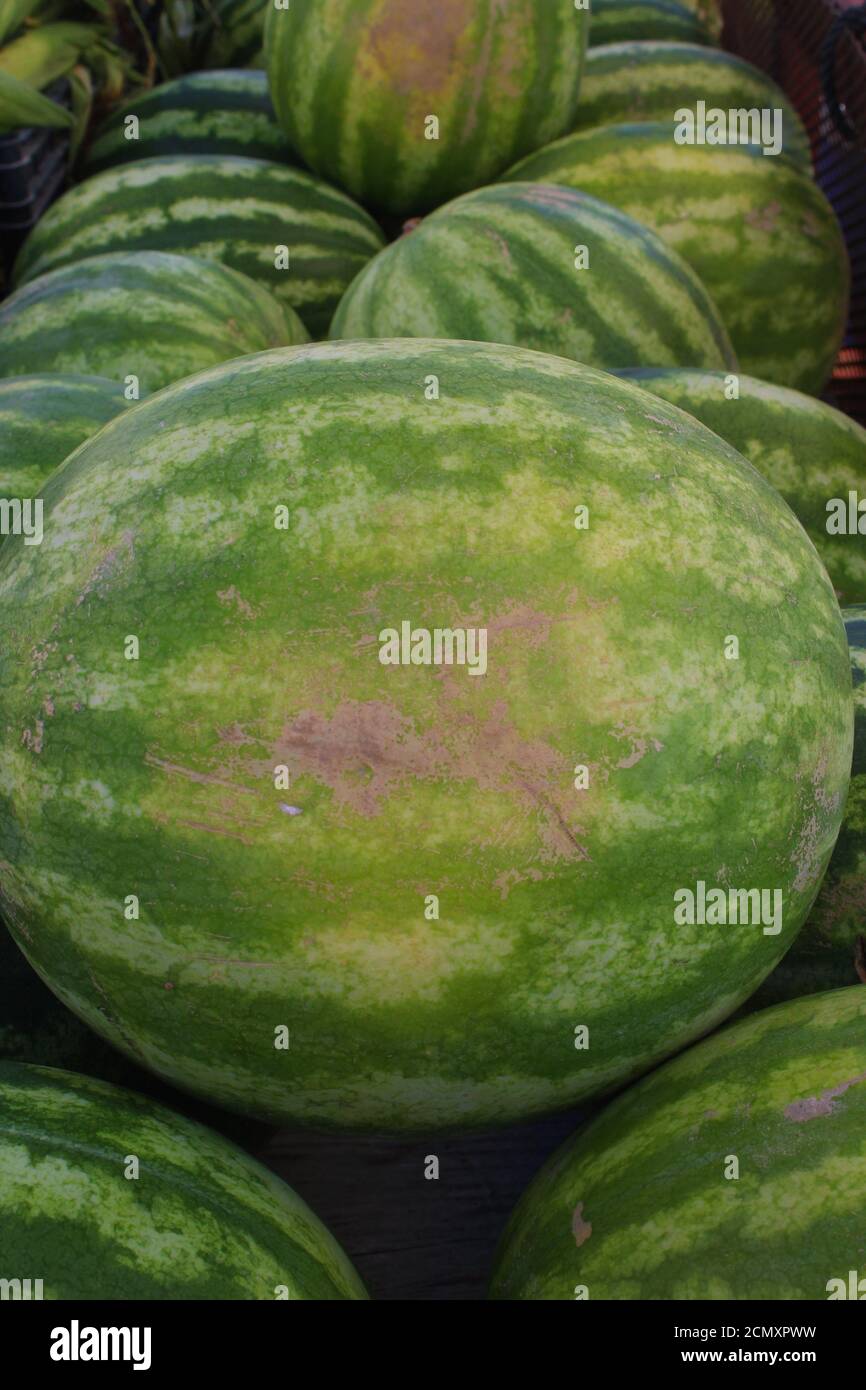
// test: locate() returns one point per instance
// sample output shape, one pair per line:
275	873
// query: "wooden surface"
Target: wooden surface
411	1237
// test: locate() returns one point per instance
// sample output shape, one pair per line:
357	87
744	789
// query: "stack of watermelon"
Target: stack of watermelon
424	693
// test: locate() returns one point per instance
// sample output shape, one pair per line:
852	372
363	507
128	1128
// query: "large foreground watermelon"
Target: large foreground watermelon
831	949
43	418
199	1219
407	104
146	314
223	112
317	867
653	81
814	455
645	1204
619	21
758	231
500	265
226	208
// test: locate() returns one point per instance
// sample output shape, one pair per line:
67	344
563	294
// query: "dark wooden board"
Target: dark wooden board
411	1237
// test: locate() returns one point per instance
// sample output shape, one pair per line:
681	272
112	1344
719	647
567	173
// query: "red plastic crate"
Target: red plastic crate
790	40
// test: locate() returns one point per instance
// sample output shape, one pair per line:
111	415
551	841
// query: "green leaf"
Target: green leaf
13	14
21	105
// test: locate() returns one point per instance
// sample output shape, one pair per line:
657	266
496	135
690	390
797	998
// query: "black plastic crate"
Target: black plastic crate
33	167
816	51
23	211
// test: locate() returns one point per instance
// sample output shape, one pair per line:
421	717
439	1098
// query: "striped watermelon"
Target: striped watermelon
43	418
627	82
222	112
407	104
145	313
618	21
831	949
644	1203
499	265
336	860
197	1219
758	231
810	452
228	208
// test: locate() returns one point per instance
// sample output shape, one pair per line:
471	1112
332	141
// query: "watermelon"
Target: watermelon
500	265
758	231
618	21
810	452
831	949
144	313
645	1202
198	1219
236	34
222	112
313	867
406	104
227	208
628	82
43	418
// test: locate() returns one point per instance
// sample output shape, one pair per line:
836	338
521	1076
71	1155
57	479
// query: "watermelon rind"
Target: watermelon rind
830	951
639	82
144	314
503	265
43	417
734	1172
812	453
225	208
624	21
407	104
105	1195
757	230
226	112
283	807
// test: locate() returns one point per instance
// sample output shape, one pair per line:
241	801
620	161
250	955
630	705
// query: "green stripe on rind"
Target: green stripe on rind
305	907
226	112
201	1220
652	81
229	209
498	265
826	953
155	316
355	83
618	21
638	1205
757	230
810	452
43	418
